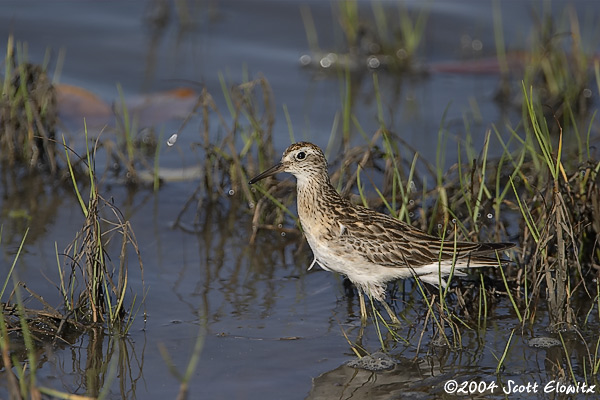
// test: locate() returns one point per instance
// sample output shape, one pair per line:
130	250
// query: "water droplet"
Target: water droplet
251	205
477	45
411	202
411	214
231	192
490	215
305	59
478	215
587	93
439	226
172	140
373	62
280	226
454	220
328	60
283	234
401	54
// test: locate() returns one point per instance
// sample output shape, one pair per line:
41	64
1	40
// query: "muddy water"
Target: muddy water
269	328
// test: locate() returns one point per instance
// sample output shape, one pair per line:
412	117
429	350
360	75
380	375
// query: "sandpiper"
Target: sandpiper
369	247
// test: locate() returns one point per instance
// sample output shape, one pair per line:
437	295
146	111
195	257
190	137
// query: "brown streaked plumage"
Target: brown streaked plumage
368	247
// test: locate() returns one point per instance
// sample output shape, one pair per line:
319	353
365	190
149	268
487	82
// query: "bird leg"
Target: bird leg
391	313
363	308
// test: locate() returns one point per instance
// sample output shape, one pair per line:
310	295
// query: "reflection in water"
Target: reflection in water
100	363
408	379
27	198
233	275
427	378
91	362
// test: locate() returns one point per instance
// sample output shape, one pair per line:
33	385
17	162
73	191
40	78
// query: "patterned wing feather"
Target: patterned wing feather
389	242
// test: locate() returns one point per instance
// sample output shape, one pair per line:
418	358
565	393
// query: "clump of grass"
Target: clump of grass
24	331
561	78
134	153
556	65
370	41
95	296
560	232
28	118
244	147
102	298
29	121
28	114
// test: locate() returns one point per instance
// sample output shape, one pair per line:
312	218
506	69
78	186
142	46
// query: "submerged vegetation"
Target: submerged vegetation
537	191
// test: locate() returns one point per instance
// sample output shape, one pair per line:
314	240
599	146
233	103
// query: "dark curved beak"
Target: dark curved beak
271	171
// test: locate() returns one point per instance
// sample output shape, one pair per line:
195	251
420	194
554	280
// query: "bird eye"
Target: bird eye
301	156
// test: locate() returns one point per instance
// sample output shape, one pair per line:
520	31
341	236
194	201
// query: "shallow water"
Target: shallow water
270	328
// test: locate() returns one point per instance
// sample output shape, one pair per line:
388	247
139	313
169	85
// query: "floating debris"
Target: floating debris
375	362
543	342
172	140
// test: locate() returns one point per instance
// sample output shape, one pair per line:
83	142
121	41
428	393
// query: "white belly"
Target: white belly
358	270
